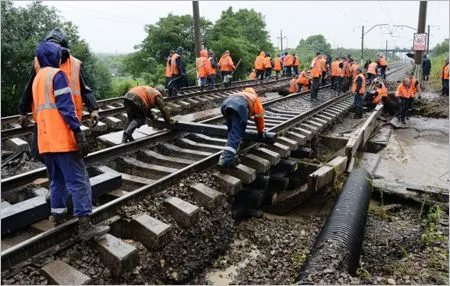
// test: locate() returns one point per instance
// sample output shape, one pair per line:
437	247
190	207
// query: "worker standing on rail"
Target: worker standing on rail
277	66
404	91
303	81
201	69
178	69
259	65
168	72
426	66
237	109
382	63
73	69
288	62
61	141
295	64
268	64
334	73
444	78
226	64
139	102
316	72
358	90
372	71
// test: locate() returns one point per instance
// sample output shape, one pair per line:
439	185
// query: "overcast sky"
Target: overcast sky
116	26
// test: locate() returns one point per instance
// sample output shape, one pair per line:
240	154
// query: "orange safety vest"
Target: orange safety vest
255	109
303	79
413	88
201	64
252	75
383	90
168	72
277	64
226	63
348	69
402	91
444	72
71	69
54	134
382	61
293	87
372	68
323	64
296	61
316	70
362	90
148	95
335	68
267	63
354	68
173	64
208	67
259	62
288	60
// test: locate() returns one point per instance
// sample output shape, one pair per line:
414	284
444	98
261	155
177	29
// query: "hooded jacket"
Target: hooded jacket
49	55
57	36
259	62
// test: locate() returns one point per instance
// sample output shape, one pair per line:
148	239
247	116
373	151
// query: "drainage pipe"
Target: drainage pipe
338	246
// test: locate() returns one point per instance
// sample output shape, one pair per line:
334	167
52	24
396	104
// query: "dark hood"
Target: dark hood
49	54
57	35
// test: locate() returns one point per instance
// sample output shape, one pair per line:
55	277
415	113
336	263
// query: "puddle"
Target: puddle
225	277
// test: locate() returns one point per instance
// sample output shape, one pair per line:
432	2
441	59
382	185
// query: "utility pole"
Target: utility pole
362	44
428	40
385	54
197	34
281	40
420	29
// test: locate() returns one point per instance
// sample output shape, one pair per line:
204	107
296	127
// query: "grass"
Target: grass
121	85
437	62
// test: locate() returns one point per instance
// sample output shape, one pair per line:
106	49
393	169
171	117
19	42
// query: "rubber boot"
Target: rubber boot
57	219
88	231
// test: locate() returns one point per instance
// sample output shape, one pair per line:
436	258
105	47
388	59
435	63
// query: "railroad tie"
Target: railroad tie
151	232
184	213
207	197
60	273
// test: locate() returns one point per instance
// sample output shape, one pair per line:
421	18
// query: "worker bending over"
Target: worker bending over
61	141
139	102
237	109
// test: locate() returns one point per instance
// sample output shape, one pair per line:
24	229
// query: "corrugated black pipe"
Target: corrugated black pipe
338	246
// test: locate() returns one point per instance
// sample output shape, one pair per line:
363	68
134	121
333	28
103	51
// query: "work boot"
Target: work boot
88	231
127	138
57	219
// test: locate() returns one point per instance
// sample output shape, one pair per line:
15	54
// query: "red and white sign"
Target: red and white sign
420	41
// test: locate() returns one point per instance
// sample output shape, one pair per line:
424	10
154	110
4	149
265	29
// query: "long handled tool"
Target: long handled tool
188	72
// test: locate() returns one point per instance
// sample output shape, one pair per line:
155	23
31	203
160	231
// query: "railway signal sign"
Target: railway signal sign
420	41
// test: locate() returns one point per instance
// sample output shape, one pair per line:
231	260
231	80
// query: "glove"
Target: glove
94	118
83	146
23	120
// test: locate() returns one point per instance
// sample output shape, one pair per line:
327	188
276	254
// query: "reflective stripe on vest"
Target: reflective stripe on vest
47	104
362	90
251	98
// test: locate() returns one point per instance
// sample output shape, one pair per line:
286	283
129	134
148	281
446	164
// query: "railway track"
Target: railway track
112	112
124	174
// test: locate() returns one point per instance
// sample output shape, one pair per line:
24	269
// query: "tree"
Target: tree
22	30
441	48
307	48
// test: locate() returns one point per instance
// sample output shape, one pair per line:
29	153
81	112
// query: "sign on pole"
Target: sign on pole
420	41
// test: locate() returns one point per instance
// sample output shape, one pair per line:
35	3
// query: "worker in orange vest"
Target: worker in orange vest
334	73
61	142
210	66
372	71
293	87
377	94
288	62
303	81
226	64
382	64
277	66
268	64
324	68
81	92
403	92
316	72
138	103
179	77
237	109
358	90
168	72
259	65
444	78
253	74
201	68
295	64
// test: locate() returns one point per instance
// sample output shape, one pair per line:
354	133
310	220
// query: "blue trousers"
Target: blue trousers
212	81
236	129
68	176
202	82
358	104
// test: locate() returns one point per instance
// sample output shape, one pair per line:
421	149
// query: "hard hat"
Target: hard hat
161	89
250	90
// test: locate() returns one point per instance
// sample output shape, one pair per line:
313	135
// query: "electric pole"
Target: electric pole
386	51
362	44
197	34
420	29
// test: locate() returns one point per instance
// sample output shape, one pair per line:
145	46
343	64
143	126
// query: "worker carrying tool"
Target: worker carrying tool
237	109
139	102
226	64
73	69
61	142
